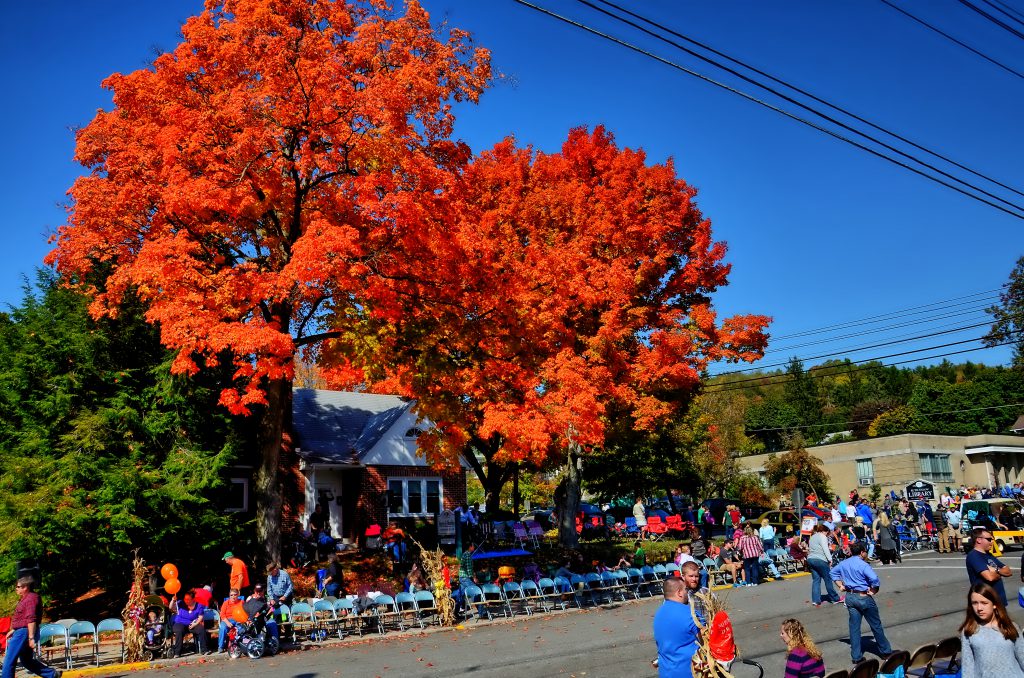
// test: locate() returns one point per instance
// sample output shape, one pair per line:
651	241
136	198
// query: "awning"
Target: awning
511	553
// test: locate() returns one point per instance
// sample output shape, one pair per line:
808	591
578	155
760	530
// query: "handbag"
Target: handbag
898	673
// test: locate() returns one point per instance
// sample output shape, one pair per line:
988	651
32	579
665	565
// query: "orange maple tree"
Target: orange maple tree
556	287
245	184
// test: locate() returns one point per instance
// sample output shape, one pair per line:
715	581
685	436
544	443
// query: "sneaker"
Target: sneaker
736	586
780	578
815	604
841	601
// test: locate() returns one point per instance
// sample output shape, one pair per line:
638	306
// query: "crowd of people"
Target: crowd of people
839	560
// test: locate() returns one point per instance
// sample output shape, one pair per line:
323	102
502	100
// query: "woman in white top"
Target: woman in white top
990	644
767	534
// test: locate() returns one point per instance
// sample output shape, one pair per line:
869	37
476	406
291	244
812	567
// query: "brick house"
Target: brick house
357	454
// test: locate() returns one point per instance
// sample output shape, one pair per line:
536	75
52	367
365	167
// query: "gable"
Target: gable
340	427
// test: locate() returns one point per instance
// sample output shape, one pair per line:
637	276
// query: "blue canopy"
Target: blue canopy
480	555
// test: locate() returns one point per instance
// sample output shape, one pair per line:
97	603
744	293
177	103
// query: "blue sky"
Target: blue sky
819	233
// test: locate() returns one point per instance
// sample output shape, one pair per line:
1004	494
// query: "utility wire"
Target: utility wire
1008	9
831	424
786	375
857	350
761	102
950	37
903	312
959	315
1008	14
804	92
996	20
856	368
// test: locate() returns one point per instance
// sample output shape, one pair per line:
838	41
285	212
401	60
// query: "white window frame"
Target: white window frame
244	482
931	475
423	494
868	479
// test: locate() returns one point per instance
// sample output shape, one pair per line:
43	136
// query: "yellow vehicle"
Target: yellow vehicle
1001	515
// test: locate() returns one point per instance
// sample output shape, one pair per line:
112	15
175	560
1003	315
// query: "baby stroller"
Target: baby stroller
161	641
252	638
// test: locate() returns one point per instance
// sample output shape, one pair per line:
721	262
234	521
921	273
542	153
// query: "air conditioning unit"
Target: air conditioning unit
866	482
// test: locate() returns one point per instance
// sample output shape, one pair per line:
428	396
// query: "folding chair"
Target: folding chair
326	621
581	590
866	669
536	533
53	638
345	613
110	633
897	658
473	597
516	598
283	617
653	581
671	570
520	534
426	608
82	637
919	660
494	599
303	621
533	596
405	603
637	582
386	611
944	661
631	527
625	585
557	591
656	529
595	588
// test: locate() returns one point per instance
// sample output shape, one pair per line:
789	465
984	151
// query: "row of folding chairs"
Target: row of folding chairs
934	659
514	531
72	641
328	617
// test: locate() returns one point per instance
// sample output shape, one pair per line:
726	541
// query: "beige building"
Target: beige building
896	461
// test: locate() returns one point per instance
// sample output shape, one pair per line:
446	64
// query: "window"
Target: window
936	467
237	496
413	433
414	496
865	472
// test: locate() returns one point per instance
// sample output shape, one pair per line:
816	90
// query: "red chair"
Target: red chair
656	528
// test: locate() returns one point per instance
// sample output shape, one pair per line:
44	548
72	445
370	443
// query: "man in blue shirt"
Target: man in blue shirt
859	581
675	632
864	511
983	566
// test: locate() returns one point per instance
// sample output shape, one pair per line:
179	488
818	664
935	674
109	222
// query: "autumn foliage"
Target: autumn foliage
557	286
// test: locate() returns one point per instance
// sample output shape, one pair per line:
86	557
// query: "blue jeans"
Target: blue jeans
767	562
752	570
864	606
222	639
820	572
18	650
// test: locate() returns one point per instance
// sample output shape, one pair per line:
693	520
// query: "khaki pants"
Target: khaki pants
954	537
944	540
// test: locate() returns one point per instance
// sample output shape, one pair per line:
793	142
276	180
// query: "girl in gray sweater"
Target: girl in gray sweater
990	644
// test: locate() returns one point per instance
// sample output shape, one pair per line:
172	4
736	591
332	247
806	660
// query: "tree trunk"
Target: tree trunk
569	505
273	419
515	490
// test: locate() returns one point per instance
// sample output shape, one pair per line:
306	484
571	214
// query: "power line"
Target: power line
960	315
801	91
856	350
765	104
1008	9
1008	14
785	376
950	37
903	312
993	19
832	424
857	368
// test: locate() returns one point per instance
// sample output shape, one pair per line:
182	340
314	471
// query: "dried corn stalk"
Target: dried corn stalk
134	613
705	665
434	564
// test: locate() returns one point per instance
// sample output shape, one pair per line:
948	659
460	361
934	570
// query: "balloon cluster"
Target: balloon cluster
170	574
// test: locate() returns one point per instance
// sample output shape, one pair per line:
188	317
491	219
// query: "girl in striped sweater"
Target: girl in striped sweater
804	659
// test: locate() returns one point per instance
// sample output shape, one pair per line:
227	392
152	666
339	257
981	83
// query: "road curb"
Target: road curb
112	668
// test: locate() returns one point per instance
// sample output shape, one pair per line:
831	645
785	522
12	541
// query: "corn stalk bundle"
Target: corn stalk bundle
704	664
134	614
434	563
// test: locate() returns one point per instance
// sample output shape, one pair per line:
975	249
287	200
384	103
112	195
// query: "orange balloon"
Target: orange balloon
172	586
169	571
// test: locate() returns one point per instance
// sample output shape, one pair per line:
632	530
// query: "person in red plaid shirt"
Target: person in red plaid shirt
751	549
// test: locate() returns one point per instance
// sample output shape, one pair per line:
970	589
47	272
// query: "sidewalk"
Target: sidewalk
296	647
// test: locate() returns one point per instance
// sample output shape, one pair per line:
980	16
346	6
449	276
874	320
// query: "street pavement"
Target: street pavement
922	600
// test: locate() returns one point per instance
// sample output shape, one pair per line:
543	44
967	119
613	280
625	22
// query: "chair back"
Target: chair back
554	585
866	669
947	647
51	631
631	524
921	656
283	612
425	599
343	606
323	609
519	530
80	629
534	529
385	601
675	521
300	610
110	625
405	601
671	570
608	578
577	579
473	594
660	571
491	591
530	588
897	658
653	520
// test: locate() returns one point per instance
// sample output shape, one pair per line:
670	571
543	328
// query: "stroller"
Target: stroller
160	644
252	638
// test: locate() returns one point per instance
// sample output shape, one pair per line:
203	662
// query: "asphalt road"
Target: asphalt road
922	600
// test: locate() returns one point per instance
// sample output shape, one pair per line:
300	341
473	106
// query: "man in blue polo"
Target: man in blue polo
859	581
675	632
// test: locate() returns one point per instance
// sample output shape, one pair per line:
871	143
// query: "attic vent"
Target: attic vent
413	433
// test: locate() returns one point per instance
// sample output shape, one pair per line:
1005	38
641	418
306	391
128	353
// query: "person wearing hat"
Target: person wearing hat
239	571
257	604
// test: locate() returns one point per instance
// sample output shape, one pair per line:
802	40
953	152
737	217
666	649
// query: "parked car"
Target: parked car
780	520
541	516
